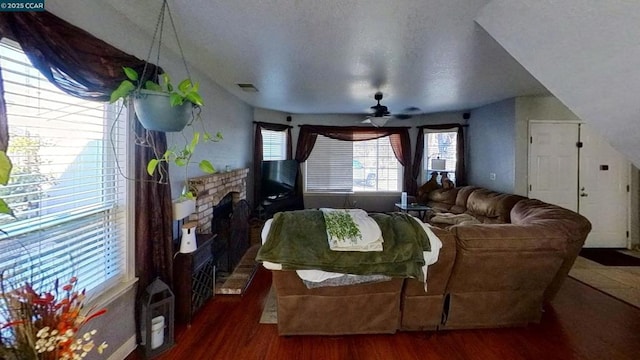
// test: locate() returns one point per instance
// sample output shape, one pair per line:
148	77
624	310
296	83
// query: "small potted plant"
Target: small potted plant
160	106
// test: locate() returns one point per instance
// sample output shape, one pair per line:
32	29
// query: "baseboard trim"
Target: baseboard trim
123	351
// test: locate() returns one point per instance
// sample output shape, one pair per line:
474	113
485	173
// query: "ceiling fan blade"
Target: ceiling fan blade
407	113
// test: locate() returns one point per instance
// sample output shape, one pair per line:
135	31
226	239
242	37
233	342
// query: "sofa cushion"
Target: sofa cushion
462	198
491	207
533	211
446	196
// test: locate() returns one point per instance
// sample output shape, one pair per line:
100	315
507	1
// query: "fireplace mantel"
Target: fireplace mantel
210	189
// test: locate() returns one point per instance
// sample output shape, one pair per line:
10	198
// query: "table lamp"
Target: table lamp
438	164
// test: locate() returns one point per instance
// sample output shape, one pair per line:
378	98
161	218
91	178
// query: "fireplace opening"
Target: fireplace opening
230	221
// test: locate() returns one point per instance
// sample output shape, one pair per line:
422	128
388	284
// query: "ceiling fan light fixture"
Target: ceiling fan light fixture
378	121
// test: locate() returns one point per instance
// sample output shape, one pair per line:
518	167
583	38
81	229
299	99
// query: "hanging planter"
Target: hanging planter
161	106
155	112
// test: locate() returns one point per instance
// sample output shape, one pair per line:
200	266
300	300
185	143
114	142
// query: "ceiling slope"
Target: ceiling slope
585	52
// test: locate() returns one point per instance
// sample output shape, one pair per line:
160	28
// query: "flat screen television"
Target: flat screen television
278	178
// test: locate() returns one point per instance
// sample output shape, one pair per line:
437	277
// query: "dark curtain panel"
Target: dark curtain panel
71	58
306	142
401	145
289	144
4	129
154	245
257	165
86	67
461	170
398	136
258	155
417	157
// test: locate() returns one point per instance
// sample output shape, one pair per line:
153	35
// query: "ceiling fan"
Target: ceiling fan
381	113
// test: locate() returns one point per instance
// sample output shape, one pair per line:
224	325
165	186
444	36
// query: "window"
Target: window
65	188
345	166
440	146
274	145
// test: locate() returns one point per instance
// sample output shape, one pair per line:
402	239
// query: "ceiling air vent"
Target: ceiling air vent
248	88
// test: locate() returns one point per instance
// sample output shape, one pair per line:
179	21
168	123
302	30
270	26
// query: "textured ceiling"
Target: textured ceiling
331	56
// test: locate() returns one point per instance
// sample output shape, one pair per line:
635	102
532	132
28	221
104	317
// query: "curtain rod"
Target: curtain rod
262	122
359	127
442	126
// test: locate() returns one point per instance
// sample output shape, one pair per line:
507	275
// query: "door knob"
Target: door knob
584	194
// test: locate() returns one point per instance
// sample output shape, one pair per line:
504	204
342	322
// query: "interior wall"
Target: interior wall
550	108
499	140
123	331
492	148
584	52
222	112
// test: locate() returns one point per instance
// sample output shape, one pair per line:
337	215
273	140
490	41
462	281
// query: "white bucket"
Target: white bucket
157	332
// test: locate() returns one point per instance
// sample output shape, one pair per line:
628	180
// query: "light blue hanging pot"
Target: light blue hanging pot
155	112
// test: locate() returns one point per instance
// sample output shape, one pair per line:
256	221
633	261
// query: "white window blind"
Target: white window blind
274	145
65	187
352	166
329	167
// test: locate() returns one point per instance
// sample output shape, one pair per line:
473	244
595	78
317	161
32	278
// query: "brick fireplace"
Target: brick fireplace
211	189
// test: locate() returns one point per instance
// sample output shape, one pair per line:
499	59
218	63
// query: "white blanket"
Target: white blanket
367	236
430	257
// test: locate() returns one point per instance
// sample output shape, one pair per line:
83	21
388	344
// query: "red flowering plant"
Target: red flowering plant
45	325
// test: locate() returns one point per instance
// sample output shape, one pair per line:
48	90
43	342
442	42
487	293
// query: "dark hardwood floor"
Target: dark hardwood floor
581	323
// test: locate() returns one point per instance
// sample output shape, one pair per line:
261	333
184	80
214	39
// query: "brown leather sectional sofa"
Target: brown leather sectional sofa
494	274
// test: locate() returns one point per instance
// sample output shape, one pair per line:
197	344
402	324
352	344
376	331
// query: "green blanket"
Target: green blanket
298	240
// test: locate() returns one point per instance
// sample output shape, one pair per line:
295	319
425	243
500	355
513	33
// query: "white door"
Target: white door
553	163
591	180
603	197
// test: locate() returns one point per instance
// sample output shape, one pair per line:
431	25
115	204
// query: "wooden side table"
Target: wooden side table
194	278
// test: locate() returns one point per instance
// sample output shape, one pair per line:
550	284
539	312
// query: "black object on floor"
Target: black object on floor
609	257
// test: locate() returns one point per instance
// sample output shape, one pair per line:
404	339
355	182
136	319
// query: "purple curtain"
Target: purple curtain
69	57
398	136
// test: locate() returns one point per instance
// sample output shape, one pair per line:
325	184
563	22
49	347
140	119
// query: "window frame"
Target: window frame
283	145
425	169
110	288
400	175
